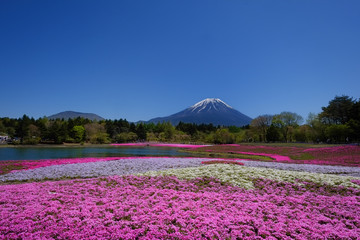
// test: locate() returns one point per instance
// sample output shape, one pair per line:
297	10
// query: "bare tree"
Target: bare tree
262	124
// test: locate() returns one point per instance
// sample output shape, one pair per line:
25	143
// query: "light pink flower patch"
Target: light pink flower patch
32	164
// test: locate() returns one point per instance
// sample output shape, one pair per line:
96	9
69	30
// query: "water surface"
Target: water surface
36	153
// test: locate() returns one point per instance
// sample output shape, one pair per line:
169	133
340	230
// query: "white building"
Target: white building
4	139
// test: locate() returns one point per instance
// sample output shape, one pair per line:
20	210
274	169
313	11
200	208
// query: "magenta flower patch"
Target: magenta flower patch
169	208
348	155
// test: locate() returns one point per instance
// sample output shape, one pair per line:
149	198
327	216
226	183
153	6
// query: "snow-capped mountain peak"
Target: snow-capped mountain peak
209	104
210	110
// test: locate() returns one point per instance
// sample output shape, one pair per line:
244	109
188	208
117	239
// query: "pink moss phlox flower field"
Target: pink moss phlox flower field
216	201
177	145
32	164
168	208
348	155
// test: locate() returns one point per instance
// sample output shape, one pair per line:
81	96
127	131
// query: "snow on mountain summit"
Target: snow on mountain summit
209	110
209	104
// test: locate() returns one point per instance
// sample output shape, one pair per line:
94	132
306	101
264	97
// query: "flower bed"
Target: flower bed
178	198
338	155
168	208
242	176
102	167
315	168
32	164
133	165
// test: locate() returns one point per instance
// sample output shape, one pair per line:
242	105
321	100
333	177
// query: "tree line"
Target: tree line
339	122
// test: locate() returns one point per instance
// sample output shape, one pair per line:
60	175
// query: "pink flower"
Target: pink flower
166	207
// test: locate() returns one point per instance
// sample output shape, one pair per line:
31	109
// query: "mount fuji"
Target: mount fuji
210	110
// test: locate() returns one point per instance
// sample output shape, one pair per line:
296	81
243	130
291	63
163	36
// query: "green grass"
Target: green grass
227	155
8	167
298	145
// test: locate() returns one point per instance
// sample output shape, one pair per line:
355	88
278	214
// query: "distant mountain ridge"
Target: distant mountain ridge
71	114
210	110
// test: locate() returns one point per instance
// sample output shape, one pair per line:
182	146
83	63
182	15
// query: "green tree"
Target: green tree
132	127
338	133
2	128
78	133
181	137
189	128
223	136
54	132
303	134
354	123
96	133
339	110
168	131
240	136
141	132
261	125
286	122
22	130
42	124
273	133
126	137
33	135
152	137
317	128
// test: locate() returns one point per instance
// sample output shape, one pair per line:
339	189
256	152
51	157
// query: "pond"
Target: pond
48	152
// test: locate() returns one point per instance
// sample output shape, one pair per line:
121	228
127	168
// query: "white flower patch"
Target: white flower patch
340	170
102	168
242	176
188	168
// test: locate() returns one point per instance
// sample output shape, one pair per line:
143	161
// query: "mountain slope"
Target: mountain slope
70	114
210	110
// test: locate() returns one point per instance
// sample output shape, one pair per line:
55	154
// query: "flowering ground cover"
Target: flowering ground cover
9	166
166	207
186	198
315	168
13	166
90	167
133	165
243	176
32	164
348	155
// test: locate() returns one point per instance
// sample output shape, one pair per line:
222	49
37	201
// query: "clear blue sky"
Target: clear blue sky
143	59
